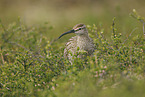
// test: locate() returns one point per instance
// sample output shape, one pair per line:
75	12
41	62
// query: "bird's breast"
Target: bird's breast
85	43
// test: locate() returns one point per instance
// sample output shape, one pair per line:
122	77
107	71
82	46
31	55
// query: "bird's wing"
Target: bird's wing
71	46
92	47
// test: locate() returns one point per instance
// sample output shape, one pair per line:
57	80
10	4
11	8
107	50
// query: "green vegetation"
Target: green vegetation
31	66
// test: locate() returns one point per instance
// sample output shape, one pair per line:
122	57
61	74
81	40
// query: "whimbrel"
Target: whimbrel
81	41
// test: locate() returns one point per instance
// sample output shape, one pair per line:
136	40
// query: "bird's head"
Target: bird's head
79	29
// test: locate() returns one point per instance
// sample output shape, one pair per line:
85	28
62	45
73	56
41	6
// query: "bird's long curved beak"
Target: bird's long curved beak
71	31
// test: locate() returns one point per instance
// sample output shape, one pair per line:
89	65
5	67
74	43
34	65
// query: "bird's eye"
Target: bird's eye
80	28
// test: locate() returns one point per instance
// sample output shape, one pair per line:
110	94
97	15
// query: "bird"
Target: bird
81	41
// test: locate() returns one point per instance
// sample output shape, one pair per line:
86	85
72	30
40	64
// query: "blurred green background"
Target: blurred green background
33	67
62	15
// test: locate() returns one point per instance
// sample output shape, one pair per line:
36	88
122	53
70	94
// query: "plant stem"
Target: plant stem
2	56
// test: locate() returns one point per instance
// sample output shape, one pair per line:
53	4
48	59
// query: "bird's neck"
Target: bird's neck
84	36
82	41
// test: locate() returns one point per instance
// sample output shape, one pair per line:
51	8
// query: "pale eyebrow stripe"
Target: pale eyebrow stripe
78	29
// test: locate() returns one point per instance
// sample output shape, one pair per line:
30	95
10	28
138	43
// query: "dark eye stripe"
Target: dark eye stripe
78	29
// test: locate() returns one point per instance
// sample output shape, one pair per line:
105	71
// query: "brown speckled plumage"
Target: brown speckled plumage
81	41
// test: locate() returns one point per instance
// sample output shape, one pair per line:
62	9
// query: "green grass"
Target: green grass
31	66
